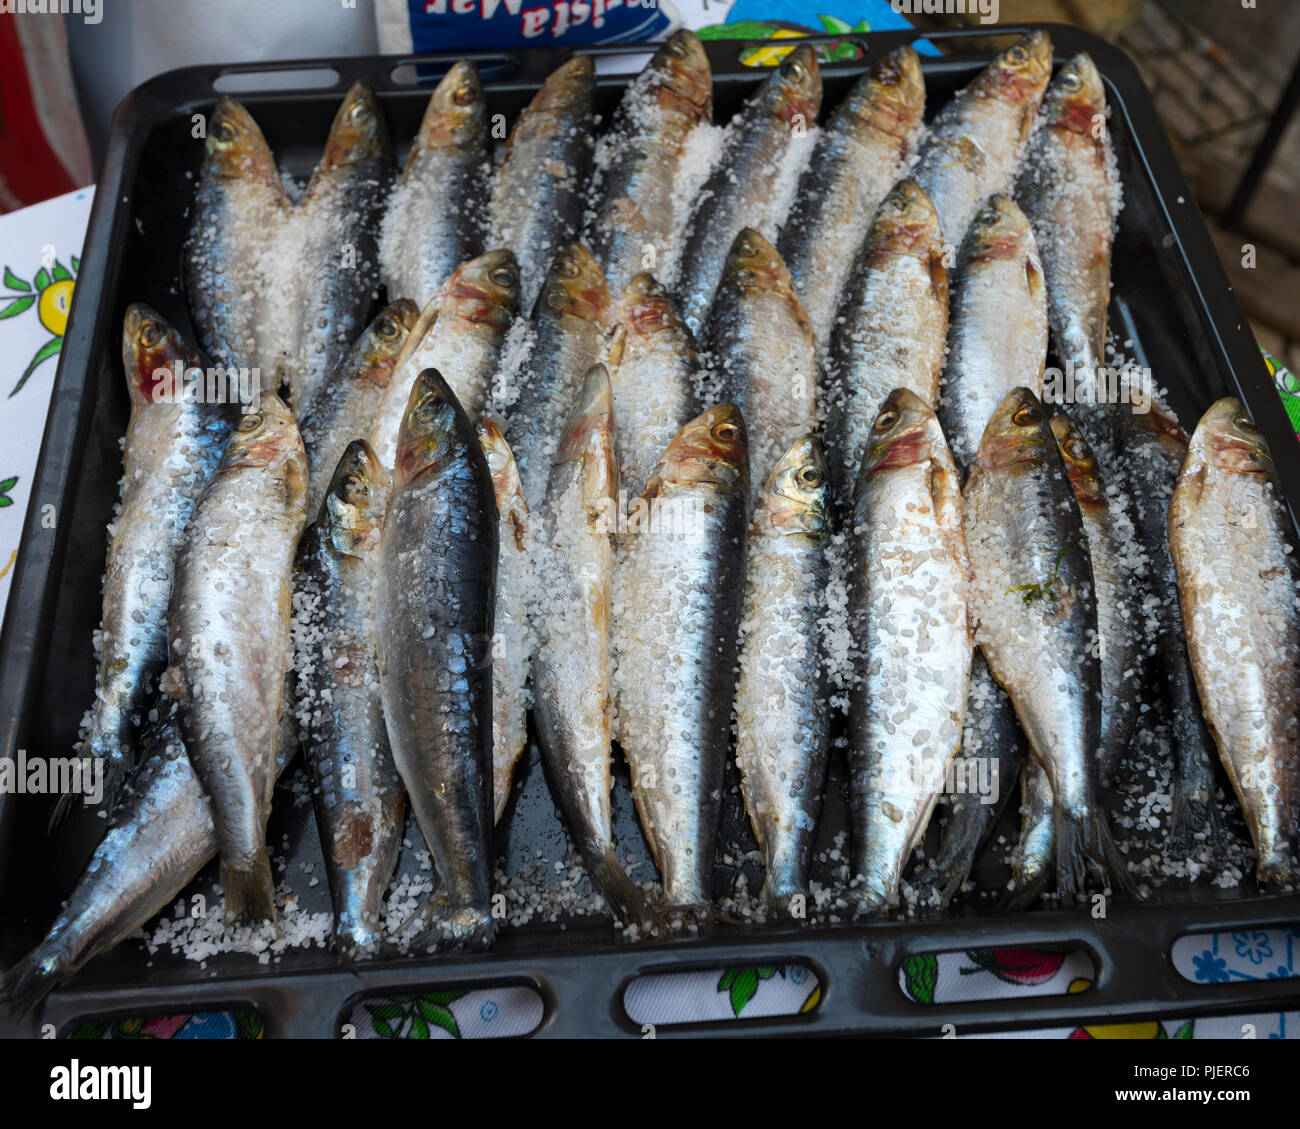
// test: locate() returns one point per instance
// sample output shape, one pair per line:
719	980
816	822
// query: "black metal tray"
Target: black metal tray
1172	300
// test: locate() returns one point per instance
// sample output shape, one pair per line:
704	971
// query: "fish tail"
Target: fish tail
250	891
779	890
630	904
1084	849
32	979
447	927
356	938
1277	873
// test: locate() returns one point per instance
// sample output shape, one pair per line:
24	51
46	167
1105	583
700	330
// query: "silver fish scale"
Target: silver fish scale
782	713
1238	583
908	612
677	600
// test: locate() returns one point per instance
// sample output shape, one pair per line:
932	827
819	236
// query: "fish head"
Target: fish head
268	437
794	90
236	148
712	449
1160	424
1016	433
484	290
429	428
575	286
589	435
1227	438
1020	73
506	484
1076	101
150	349
1001	231
645	310
681	67
754	264
907	224
905	433
796	497
1080	464
358	135
382	341
569	85
456	115
352	514
891	96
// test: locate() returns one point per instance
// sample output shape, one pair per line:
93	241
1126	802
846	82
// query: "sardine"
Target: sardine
513	641
173	444
429	226
160	836
359	799
1152	449
568	327
572	702
335	230
1036	610
1067	193
743	189
1233	549
538	188
653	367
909	617
782	707
973	147
677	602
1119	634
233	291
764	351
892	326
228	623
460	333
997	332
437	579
642	156
858	155
345	407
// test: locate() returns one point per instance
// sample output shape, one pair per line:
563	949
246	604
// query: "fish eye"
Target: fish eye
250	422
1071	81
810	476
1244	423
676	48
1077	451
794	69
503	275
886	420
224	132
151	334
358	110
388	328
463	95
1027	415
726	433
989	216
1018	54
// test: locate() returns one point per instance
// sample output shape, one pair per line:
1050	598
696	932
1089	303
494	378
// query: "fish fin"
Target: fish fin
118	766
702	915
630	904
29	981
1278	874
1195	821
250	892
444	926
1085	849
356	940
1030	886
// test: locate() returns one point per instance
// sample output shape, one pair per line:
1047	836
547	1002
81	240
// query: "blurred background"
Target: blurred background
1221	70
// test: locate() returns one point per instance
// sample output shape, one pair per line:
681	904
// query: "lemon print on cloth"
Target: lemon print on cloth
50	292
